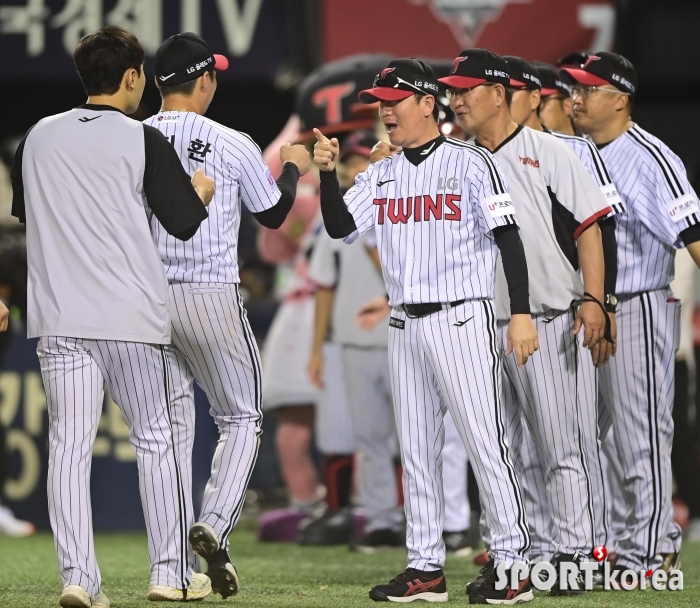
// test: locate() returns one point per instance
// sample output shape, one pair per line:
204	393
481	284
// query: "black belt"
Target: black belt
415	311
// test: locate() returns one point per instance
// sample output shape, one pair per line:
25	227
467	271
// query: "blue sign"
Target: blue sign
37	37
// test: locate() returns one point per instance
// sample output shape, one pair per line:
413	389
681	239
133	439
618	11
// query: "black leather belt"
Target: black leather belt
415	311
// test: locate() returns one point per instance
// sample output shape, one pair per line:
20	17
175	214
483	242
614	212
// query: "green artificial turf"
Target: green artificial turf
278	574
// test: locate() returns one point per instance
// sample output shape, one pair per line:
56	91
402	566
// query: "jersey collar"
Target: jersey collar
504	142
416	156
99	108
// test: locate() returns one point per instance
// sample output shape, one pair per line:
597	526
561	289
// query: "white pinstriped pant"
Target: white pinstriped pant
437	365
552	423
214	345
74	372
639	383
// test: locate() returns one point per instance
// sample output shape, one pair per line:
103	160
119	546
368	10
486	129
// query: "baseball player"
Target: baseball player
559	204
527	101
662	215
347	277
556	111
97	301
213	342
440	211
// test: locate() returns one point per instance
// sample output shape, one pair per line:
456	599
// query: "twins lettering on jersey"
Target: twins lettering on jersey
423	207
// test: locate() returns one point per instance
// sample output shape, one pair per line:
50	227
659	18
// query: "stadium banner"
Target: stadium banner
116	503
538	30
37	37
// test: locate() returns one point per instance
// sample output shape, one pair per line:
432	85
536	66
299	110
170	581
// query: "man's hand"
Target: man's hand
315	368
296	154
590	315
325	151
372	313
381	150
602	351
204	186
4	317
522	338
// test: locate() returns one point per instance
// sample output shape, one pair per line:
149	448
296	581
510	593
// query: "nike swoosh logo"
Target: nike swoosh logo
424	152
164	78
380	184
460	323
86	119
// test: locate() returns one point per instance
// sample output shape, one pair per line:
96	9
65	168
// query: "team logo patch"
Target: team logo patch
270	179
682	207
526	160
456	62
397	323
385	71
499	205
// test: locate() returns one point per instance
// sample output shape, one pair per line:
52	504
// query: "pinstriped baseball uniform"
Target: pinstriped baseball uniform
637	385
555	393
215	345
98	302
432	215
349	271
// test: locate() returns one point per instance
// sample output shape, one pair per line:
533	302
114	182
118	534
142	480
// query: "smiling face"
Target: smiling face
405	120
476	106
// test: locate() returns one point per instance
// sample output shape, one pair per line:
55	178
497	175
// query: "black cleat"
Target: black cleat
487	593
484	573
331	528
220	569
412	586
566	587
379	540
458	543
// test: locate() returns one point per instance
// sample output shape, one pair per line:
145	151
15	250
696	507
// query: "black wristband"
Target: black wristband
587	297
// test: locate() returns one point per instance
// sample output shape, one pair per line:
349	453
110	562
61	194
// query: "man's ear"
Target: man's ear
535	99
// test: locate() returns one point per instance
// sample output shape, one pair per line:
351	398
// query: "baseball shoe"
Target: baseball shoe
198	589
332	528
74	596
12	526
220	569
458	543
578	587
412	586
481	559
484	573
671	561
379	540
487	593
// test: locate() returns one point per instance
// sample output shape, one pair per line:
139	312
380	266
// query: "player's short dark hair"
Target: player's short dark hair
509	95
102	59
186	88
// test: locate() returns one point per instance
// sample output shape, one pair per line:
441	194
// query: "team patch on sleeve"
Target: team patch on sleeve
682	207
499	205
270	179
612	197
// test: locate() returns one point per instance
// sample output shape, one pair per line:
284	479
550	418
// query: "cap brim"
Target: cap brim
517	83
580	75
547	92
383	94
461	82
220	63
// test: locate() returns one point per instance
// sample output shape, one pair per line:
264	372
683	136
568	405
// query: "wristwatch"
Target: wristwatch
610	302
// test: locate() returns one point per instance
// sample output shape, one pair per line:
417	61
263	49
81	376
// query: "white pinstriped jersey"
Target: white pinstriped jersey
433	221
235	162
660	203
589	155
555	200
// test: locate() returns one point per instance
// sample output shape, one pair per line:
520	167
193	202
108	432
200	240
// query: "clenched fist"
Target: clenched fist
381	150
296	154
325	151
204	186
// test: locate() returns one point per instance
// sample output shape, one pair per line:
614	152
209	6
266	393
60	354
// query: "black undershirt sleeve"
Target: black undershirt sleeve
168	188
515	267
607	233
287	182
691	235
18	206
336	217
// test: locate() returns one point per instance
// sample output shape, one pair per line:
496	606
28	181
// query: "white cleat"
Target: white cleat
199	588
74	596
12	526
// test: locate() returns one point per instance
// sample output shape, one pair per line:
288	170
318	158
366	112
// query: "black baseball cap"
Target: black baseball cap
573	60
185	57
401	79
359	142
477	66
606	68
523	75
552	82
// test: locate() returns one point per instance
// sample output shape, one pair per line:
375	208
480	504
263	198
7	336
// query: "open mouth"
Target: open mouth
390	127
